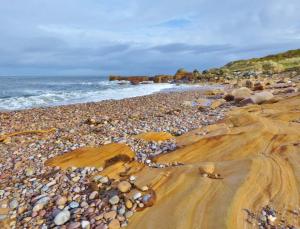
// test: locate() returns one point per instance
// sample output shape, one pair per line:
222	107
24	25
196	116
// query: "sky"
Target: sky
140	37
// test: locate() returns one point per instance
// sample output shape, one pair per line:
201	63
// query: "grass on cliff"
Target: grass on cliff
279	62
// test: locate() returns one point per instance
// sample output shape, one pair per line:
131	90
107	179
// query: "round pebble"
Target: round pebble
62	217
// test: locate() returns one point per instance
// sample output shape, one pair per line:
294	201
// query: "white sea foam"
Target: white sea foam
112	90
53	98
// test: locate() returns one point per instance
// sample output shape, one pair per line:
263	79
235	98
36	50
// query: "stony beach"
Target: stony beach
38	188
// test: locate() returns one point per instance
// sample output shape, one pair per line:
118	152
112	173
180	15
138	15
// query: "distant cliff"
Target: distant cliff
286	62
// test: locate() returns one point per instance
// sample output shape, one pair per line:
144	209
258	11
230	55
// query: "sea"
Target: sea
23	92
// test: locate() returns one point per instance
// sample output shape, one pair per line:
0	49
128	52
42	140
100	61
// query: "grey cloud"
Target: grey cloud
140	37
181	47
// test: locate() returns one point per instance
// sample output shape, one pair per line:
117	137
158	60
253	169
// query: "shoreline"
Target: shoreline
110	163
179	88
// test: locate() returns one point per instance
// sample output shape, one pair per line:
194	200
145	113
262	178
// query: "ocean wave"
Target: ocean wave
54	98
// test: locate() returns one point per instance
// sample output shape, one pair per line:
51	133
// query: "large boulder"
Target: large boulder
163	78
262	97
241	93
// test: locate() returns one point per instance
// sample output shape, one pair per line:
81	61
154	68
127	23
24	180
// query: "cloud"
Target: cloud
175	23
197	49
140	37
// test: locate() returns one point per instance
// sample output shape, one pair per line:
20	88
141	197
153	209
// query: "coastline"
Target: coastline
112	163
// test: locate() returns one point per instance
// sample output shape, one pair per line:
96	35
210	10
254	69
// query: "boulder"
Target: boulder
228	97
241	93
248	84
163	78
262	97
258	86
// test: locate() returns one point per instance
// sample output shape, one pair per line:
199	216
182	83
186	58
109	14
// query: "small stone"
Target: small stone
29	172
74	225
85	224
114	200
271	218
137	195
124	186
93	195
61	200
128	214
145	188
114	224
132	178
74	204
110	215
76	179
13	204
38	207
128	204
62	217
104	180
122	210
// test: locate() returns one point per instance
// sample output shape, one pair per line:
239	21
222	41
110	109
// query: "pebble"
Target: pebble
128	204
85	224
74	225
104	180
62	217
132	178
114	200
74	204
29	172
61	200
124	186
122	210
110	215
128	214
114	224
137	195
13	204
38	207
93	195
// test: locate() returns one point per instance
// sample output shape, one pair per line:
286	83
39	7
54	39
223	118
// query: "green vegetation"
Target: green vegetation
270	64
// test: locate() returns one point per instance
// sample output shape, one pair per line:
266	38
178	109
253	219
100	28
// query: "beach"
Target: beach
129	162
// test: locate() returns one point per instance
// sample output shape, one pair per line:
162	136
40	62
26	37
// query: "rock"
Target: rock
85	224
290	90
44	200
241	93
61	200
93	195
128	204
124	186
74	204
145	188
246	102
128	214
38	207
262	97
62	217
114	200
137	195
217	103
258	87
149	199
249	84
122	210
132	178
110	215
207	168
114	224
29	172
104	180
228	97
74	225
13	204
